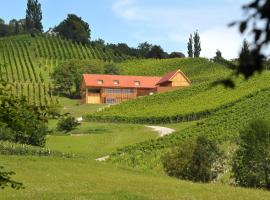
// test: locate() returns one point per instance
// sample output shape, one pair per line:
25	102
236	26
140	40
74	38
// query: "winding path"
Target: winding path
162	131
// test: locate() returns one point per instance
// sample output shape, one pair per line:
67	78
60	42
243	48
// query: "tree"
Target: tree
251	163
21	122
218	54
2	21
5	180
197	44
75	29
190	46
157	52
194	160
111	69
67	124
144	49
33	16
68	75
177	55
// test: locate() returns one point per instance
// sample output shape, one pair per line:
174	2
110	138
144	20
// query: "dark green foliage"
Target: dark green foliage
21	122
177	55
27	124
197	44
190	46
144	49
68	75
74	28
194	161
33	16
13	28
67	124
111	69
251	163
6	181
157	52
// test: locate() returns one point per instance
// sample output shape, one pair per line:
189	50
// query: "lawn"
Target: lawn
57	178
76	109
98	139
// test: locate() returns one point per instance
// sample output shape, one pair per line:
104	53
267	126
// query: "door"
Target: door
93	98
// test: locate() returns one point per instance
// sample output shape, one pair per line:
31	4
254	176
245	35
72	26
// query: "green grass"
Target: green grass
58	178
95	140
222	126
76	109
197	69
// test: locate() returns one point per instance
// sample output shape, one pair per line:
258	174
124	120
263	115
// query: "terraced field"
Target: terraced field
224	125
26	63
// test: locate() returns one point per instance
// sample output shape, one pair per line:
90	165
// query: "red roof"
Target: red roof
91	80
170	76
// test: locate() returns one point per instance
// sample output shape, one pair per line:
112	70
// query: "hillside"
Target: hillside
26	63
222	126
193	103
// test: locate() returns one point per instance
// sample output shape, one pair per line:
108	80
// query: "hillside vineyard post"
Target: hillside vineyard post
113	89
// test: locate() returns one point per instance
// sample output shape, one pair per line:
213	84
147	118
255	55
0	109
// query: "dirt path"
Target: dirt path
162	131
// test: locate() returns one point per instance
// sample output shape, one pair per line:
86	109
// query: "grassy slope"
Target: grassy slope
95	140
57	178
222	126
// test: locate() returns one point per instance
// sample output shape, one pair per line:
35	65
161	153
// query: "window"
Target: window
100	82
137	83
116	82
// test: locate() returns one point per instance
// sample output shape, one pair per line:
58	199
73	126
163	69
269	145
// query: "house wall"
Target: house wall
179	81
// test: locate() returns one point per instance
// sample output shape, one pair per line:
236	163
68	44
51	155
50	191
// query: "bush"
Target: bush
111	69
21	122
194	160
251	163
67	124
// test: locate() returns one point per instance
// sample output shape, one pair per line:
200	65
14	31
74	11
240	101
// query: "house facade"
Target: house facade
113	89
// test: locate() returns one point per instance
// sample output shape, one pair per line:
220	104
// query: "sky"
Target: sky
164	22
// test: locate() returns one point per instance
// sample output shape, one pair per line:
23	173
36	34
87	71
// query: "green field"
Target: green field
94	140
58	178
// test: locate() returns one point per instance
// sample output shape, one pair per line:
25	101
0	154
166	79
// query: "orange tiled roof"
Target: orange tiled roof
170	75
91	80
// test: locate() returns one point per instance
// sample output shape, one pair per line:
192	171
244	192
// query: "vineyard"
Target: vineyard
196	102
26	63
197	69
222	126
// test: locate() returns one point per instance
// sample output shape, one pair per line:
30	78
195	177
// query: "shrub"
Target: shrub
251	163
111	69
194	160
67	124
21	122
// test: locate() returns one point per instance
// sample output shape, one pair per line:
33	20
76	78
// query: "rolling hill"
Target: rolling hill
26	63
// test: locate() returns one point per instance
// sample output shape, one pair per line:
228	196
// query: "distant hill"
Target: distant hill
26	63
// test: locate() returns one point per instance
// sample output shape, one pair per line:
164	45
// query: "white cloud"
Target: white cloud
171	26
227	40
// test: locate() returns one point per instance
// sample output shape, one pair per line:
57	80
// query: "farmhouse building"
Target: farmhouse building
113	89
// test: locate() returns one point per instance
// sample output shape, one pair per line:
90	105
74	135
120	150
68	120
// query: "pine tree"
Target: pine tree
197	44
33	16
190	47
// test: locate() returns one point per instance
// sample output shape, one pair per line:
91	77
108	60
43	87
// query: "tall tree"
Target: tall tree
33	16
190	46
74	28
197	44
